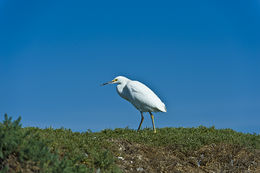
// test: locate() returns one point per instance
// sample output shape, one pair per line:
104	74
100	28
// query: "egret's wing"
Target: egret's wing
143	96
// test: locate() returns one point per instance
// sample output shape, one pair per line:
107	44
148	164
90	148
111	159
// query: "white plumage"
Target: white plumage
142	97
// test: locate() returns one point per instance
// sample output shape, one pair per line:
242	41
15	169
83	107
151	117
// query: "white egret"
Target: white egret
142	97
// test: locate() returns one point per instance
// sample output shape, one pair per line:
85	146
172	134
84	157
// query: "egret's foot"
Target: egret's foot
152	117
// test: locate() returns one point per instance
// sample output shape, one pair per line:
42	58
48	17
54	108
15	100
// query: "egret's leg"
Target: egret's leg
142	119
152	117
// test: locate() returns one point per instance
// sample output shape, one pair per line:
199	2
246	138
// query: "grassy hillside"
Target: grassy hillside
125	150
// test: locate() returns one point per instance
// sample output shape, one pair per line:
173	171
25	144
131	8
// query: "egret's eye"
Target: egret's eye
115	80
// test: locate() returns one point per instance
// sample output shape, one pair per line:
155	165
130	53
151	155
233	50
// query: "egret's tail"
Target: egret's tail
163	108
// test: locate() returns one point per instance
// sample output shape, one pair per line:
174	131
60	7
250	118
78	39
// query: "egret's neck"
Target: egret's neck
120	87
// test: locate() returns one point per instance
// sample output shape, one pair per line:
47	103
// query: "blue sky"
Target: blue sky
201	57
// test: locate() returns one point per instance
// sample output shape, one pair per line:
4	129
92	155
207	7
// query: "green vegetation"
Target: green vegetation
25	151
61	150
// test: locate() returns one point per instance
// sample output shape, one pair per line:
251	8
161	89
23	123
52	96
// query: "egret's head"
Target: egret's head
118	80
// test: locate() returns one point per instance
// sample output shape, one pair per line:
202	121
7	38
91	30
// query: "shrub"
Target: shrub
24	151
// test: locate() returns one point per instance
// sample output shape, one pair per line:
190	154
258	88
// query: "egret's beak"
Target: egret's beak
107	83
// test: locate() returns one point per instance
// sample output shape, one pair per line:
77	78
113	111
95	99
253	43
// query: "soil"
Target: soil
222	158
